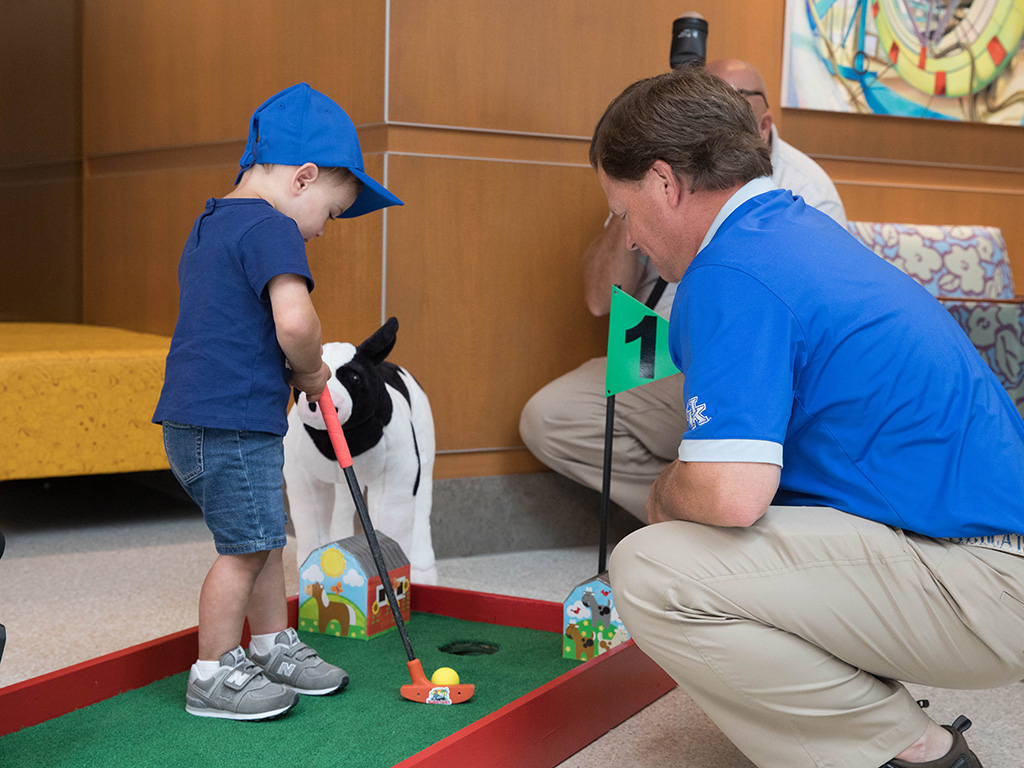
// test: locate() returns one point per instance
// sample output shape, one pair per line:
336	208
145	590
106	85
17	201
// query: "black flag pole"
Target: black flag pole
609	423
606	481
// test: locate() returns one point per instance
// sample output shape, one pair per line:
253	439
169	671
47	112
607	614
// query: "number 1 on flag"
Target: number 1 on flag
637	345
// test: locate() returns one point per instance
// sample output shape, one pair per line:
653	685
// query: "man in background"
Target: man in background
563	423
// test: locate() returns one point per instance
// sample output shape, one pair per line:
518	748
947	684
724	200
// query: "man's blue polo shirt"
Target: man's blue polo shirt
804	349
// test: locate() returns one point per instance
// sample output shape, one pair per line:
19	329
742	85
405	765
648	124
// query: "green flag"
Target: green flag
637	345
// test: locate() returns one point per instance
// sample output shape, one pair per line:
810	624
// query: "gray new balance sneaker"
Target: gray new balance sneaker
237	691
293	663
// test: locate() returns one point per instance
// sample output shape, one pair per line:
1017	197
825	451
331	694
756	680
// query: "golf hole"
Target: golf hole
469	648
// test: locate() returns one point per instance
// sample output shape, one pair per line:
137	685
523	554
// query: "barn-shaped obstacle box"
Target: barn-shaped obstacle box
341	594
590	623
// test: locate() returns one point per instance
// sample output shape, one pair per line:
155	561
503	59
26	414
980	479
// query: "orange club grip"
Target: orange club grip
334	430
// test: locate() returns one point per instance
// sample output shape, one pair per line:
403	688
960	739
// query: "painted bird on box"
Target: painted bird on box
390	431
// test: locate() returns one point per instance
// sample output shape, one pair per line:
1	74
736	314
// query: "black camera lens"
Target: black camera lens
689	41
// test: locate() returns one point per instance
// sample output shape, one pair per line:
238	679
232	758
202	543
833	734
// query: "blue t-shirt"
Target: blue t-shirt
225	368
804	349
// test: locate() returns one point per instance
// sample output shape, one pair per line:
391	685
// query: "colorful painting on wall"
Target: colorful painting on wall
944	59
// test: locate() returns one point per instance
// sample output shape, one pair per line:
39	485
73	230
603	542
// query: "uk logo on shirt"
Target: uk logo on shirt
695	413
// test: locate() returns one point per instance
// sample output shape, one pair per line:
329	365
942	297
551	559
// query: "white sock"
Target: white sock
262	644
204	669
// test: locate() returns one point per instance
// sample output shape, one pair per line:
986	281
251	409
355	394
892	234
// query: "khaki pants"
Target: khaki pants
792	633
563	426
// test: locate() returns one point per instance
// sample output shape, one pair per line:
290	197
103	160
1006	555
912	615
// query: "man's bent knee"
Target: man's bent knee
629	568
533	424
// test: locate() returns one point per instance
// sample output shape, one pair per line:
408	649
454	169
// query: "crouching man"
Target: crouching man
847	508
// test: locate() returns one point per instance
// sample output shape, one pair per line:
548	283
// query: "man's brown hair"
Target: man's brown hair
691	119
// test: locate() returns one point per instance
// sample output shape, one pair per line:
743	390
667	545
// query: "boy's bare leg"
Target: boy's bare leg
285	660
268	608
224	599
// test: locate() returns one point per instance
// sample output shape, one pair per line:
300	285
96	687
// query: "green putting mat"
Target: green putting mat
367	725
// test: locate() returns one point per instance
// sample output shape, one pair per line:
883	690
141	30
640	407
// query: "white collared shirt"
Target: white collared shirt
751	189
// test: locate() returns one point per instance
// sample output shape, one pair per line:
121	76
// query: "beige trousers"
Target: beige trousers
563	426
792	634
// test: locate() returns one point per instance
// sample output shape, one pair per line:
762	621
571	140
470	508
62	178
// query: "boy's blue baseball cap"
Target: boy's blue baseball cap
300	125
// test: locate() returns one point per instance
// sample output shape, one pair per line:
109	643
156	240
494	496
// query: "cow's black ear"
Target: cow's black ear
380	344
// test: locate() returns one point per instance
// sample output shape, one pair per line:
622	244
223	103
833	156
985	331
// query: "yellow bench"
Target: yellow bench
77	400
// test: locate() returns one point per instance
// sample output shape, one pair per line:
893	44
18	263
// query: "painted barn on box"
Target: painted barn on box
341	594
590	623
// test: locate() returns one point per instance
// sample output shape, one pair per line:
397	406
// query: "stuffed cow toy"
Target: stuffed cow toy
389	428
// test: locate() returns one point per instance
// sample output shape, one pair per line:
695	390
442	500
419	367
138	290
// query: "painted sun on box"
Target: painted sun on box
341	594
590	623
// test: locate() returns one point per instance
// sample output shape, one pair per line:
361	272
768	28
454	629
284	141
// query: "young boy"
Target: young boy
246	333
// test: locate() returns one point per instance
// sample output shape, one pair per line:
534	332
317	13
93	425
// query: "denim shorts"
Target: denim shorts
236	479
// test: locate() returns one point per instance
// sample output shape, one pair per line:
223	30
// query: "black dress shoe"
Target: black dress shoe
959	755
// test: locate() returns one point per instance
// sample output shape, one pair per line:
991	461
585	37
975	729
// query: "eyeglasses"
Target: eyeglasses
745	92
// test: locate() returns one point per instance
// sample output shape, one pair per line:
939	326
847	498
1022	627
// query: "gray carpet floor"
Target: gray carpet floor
96	565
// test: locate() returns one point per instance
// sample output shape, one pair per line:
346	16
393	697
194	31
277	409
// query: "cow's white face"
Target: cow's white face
336	354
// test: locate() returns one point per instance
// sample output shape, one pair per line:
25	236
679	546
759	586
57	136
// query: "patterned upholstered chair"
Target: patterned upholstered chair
967	269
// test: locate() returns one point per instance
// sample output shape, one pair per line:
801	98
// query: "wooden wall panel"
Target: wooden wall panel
483	269
531	65
160	74
40	129
134	227
413	139
137	223
545	67
40	253
907	140
39	82
168	93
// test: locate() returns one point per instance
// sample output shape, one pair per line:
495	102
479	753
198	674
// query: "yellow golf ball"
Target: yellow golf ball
445	676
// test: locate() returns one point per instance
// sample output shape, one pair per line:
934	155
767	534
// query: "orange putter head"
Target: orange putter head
425	692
